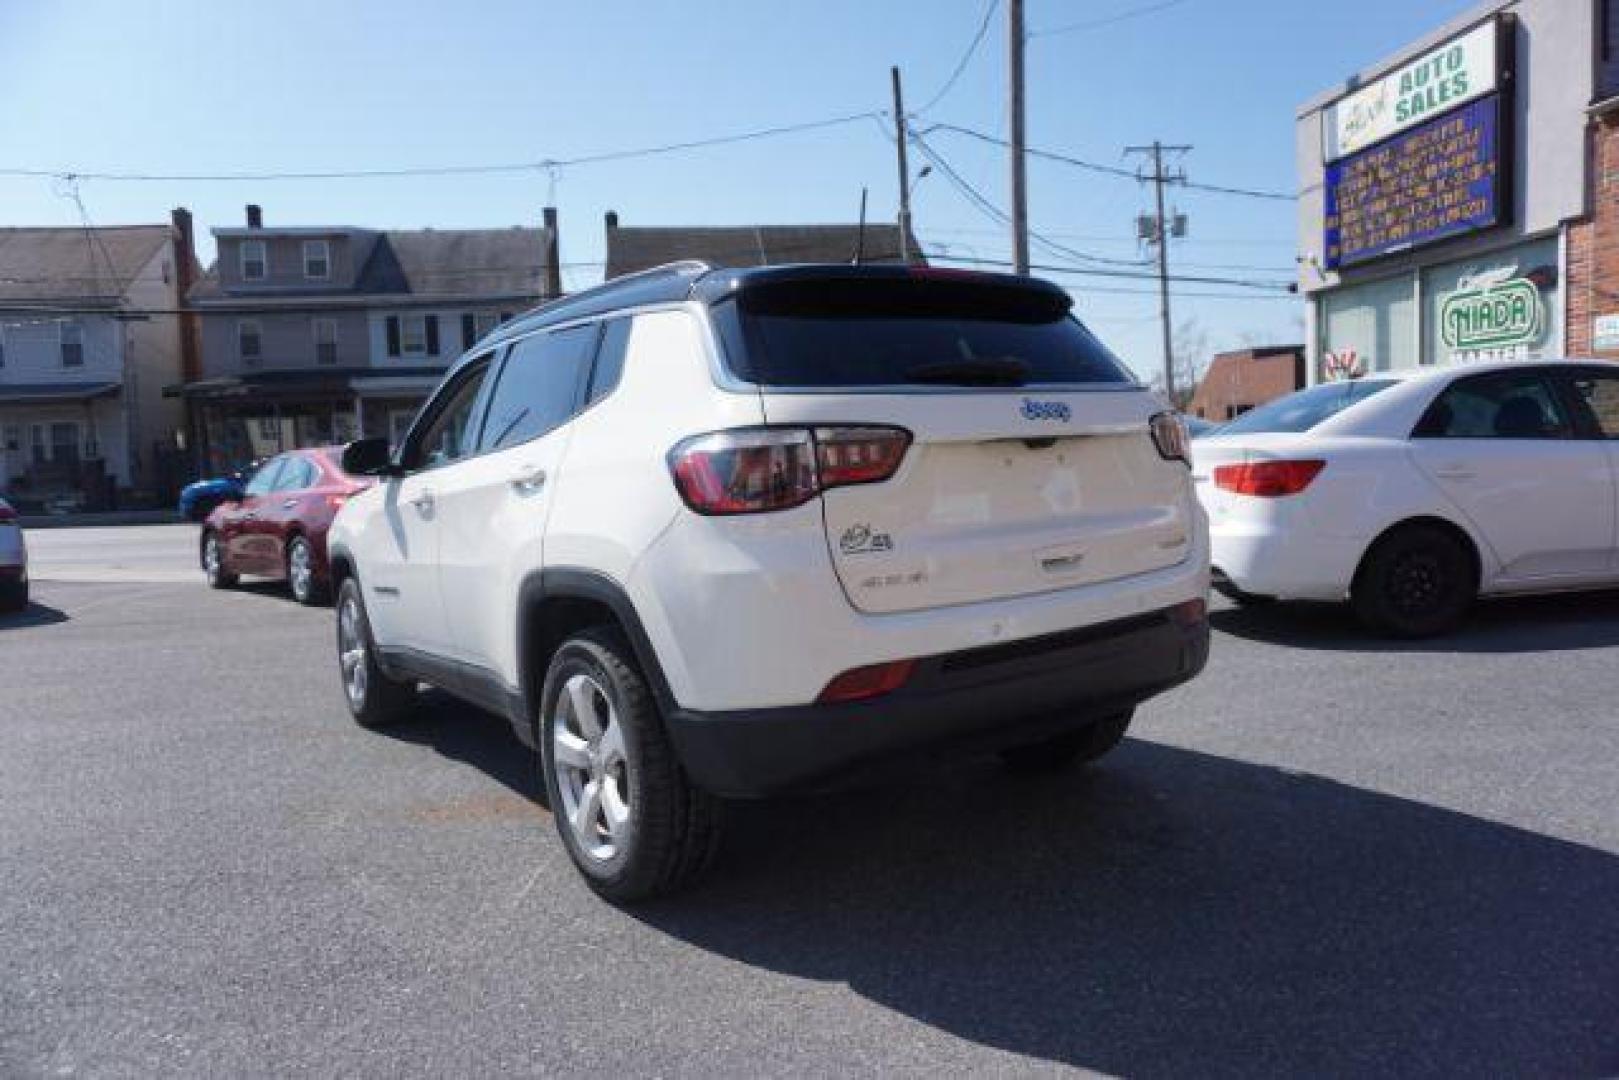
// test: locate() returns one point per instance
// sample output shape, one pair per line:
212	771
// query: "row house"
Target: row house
634	248
312	336
90	334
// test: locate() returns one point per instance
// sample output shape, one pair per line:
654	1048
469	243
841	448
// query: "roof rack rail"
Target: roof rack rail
670	281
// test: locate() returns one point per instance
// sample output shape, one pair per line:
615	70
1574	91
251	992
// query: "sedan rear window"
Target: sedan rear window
1305	409
866	332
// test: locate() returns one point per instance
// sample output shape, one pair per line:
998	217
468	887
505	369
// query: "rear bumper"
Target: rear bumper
1295	563
958	702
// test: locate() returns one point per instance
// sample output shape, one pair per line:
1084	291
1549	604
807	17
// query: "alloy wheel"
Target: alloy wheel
589	760
300	571
210	559
351	651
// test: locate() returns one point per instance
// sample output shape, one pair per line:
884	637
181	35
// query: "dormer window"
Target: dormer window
250	342
71	337
255	263
317	260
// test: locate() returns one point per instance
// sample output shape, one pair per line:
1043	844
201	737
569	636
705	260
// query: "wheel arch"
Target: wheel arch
554	603
1475	552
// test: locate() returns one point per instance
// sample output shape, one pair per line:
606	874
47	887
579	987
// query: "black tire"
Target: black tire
1070	748
1241	597
377	700
306	588
213	565
1416	582
671	829
14	595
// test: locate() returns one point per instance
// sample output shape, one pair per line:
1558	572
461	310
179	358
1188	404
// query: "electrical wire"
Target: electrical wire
966	57
1094	24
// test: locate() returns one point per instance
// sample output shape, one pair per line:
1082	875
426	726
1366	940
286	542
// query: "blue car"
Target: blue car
198	500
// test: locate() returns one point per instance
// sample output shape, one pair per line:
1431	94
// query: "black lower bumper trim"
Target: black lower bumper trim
979	698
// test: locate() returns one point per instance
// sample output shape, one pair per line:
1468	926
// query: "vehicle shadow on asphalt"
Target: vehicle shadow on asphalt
471	736
1554	623
35	614
1173	913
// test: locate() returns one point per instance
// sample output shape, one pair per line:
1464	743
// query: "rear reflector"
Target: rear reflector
860	683
1267	479
1189	614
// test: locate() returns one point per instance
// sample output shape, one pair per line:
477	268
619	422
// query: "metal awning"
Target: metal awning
56	393
336	382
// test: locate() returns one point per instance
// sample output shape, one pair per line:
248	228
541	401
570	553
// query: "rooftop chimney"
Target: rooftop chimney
255	216
552	284
612	220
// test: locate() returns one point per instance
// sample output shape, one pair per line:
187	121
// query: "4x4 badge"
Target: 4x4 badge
860	540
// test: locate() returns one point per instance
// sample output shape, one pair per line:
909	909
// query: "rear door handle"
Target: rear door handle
528	479
251	515
290	504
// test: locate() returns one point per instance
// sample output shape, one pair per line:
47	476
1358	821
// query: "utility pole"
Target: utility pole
1020	193
1158	231
904	171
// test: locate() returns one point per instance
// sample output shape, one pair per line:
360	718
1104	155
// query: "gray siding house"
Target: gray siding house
89	336
633	248
312	336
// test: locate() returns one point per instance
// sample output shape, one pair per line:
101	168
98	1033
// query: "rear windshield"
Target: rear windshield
864	332
1305	409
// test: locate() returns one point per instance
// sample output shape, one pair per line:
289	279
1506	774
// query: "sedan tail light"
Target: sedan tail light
6	512
755	470
1267	479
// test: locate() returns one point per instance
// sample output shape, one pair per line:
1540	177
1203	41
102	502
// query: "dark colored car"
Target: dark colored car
276	528
197	500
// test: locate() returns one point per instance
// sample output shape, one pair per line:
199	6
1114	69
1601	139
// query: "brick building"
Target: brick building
1459	200
1239	380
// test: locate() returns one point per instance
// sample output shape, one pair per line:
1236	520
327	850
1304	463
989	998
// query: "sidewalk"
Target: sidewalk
107	517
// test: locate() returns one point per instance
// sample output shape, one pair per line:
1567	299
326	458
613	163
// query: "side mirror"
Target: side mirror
368	457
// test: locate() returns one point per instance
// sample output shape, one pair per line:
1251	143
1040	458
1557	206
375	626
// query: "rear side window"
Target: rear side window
1504	405
264	480
1598	393
539	386
1306	408
298	473
896	332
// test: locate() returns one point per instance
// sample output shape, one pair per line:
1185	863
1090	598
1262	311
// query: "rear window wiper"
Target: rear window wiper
987	371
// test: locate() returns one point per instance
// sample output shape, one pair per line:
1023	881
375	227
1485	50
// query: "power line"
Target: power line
544	164
966	57
1111	170
1094	24
1048	268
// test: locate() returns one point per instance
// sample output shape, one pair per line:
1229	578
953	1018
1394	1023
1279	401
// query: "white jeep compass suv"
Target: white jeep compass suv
702	533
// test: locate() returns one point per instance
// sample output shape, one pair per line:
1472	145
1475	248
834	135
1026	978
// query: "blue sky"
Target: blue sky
219	86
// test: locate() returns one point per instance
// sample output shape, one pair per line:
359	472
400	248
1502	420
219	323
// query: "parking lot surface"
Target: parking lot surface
1328	855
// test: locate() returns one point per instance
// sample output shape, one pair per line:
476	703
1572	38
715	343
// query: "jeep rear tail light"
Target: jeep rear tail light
754	470
1267	479
1169	435
860	683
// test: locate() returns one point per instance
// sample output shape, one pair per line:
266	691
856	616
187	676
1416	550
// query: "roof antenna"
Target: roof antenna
860	232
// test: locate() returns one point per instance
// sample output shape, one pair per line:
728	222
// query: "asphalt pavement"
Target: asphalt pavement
1328	855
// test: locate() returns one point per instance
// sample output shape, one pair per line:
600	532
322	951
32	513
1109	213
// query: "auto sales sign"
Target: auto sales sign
1461	70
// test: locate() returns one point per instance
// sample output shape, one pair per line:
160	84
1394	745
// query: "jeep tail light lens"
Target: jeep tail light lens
755	470
858	684
1169	435
1267	479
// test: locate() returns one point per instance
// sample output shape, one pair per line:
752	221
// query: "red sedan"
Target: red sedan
277	527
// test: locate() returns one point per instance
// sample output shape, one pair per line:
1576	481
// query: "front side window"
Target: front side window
1500	405
449	432
539	386
317	260
72	337
249	341
909	331
255	262
326	341
1597	392
264	480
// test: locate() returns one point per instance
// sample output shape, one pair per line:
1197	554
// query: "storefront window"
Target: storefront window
1506	305
1372	327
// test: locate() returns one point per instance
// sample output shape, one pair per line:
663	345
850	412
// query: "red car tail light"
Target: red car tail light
755	470
1267	479
6	511
860	683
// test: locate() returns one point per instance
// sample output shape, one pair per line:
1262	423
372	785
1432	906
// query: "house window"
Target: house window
317	260
2	347
72	337
483	322
413	335
255	263
249	341
326	341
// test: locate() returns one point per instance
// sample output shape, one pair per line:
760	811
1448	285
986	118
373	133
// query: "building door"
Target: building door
65	443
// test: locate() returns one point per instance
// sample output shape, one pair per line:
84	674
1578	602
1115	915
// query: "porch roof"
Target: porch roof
55	393
331	381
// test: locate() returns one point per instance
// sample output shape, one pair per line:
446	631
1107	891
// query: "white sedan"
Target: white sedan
1412	495
13	561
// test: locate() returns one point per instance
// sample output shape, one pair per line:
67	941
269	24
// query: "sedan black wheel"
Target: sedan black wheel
1416	582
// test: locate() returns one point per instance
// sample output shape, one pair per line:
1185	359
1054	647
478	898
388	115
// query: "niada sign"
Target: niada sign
1500	315
1455	73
